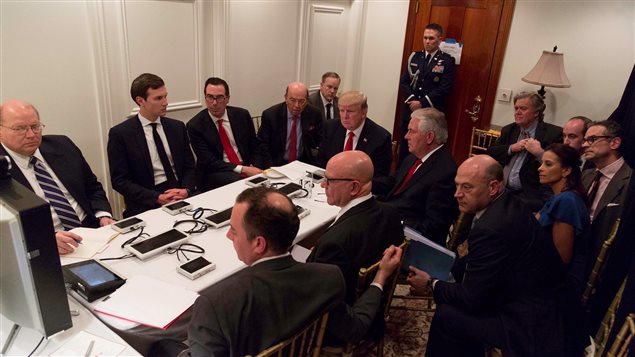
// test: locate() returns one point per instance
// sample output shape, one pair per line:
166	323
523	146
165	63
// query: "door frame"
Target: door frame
504	28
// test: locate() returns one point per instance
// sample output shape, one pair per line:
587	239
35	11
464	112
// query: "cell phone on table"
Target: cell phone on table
127	225
177	207
197	267
257	181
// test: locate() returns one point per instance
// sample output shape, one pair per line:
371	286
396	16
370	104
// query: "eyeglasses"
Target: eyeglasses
593	138
327	180
297	101
23	129
218	98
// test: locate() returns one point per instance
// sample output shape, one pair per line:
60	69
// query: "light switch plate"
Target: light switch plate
504	95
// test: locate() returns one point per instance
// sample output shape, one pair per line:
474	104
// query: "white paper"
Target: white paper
148	301
78	345
93	241
453	48
300	253
294	170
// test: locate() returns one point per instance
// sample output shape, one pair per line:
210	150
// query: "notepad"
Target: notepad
427	255
78	345
148	301
93	242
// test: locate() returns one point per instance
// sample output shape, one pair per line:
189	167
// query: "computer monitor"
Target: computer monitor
32	291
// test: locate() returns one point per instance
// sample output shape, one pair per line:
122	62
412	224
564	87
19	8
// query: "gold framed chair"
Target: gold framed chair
598	267
364	279
306	343
621	345
482	140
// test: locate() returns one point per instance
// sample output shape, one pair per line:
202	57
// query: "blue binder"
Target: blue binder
427	255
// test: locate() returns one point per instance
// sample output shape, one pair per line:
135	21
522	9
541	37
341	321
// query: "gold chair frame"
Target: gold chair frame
482	140
305	343
620	347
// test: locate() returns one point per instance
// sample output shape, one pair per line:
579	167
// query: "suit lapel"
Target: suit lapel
15	171
614	188
282	134
142	144
175	145
237	131
362	141
402	172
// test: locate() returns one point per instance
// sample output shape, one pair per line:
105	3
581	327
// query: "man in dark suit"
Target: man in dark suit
151	163
279	143
355	131
76	197
423	185
573	132
607	187
326	98
223	138
505	298
519	149
427	81
363	228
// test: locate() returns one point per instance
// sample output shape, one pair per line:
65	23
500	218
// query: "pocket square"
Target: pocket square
612	204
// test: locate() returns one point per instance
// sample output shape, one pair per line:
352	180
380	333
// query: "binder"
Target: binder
427	255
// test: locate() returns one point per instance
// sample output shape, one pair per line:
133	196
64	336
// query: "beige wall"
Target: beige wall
598	43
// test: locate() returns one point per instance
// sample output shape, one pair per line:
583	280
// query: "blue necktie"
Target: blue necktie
54	196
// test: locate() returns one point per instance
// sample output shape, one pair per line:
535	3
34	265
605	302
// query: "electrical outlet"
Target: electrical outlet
504	95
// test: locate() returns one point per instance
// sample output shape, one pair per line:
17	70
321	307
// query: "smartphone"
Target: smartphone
177	207
257	181
127	225
302	212
195	268
317	175
290	189
219	219
157	244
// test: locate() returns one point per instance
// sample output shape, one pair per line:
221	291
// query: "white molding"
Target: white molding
330	9
302	60
314	9
219	39
359	46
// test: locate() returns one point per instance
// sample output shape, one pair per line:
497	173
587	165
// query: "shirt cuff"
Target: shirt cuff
378	285
102	214
238	169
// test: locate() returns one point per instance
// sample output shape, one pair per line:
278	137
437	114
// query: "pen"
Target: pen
90	348
112	237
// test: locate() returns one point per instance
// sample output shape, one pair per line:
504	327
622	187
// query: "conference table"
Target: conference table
218	248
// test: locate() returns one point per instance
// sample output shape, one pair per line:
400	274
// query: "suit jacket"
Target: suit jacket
434	80
509	264
373	140
272	136
358	239
206	141
68	163
609	209
532	193
315	99
427	202
262	305
131	170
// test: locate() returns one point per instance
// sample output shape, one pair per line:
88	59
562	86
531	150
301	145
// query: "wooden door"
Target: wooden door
483	28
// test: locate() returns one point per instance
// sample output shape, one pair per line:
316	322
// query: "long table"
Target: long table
218	248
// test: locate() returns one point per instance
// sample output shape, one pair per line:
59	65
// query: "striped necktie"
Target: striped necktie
54	196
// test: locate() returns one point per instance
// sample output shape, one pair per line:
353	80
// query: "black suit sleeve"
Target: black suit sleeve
266	134
204	333
499	150
331	253
351	323
188	173
121	173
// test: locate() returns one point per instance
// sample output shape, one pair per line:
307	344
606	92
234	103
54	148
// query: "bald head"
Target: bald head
20	129
349	175
478	181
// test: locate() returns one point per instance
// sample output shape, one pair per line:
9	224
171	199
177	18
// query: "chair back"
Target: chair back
598	267
482	140
621	345
306	343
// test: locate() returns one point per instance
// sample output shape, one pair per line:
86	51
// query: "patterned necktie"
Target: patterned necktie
227	146
411	172
293	139
163	156
595	184
328	111
349	142
54	196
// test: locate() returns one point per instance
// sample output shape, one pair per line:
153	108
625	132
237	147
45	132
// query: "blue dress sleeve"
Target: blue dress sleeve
566	207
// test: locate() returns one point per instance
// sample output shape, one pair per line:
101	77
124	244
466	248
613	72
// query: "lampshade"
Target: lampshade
549	71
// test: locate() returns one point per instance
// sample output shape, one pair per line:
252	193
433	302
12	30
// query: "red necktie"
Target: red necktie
293	139
349	142
227	146
414	167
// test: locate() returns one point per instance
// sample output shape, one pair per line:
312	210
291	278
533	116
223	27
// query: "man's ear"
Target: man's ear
139	100
259	245
494	187
615	143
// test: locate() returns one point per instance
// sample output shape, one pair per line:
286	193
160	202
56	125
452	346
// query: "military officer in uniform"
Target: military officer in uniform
427	80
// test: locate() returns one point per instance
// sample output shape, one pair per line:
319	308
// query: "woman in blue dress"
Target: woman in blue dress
566	212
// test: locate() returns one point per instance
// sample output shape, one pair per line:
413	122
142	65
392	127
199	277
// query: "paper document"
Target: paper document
79	344
299	253
427	255
93	241
148	301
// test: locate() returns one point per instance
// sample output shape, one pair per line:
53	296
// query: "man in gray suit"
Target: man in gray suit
326	98
606	187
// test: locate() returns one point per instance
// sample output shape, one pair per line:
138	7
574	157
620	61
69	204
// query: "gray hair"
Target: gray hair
431	119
